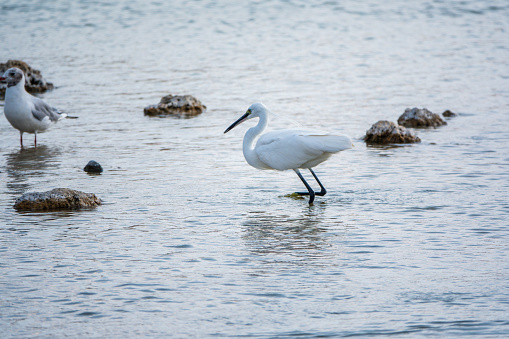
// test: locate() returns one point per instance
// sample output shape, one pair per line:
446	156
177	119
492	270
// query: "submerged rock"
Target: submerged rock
387	132
34	82
179	105
93	167
416	117
449	114
56	199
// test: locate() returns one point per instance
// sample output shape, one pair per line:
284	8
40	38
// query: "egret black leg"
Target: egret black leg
323	191
310	192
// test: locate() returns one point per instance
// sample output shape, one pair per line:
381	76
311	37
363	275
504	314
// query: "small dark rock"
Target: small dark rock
34	82
420	118
93	167
387	132
449	114
57	199
179	105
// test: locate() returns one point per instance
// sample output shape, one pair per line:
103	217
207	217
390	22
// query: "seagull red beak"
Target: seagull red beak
2	78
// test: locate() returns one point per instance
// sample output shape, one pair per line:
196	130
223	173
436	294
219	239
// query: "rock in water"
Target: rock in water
56	199
93	167
387	132
178	105
34	82
449	114
416	117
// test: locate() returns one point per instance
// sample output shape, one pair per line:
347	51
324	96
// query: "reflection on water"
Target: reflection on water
32	158
28	162
300	237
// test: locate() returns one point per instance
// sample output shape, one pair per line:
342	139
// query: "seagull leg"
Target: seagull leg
35	139
323	191
310	192
21	139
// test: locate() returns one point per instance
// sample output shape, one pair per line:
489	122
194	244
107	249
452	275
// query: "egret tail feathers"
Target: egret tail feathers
332	143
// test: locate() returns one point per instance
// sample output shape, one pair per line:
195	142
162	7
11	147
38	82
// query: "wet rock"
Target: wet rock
387	132
449	114
56	199
93	167
420	118
34	82
179	105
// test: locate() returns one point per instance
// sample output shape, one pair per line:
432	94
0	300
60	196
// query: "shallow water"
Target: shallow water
191	241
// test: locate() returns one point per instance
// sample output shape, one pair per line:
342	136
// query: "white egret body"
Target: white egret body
25	112
289	148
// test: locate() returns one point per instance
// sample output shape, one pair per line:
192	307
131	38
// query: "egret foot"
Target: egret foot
321	194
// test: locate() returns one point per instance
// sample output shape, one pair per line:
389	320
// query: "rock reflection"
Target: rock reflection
28	162
280	236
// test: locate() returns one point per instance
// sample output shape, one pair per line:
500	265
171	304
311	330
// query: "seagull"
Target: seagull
25	112
288	148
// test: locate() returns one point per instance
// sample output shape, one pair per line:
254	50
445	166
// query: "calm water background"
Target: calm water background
191	241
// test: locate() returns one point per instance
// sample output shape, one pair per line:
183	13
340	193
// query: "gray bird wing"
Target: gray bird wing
42	110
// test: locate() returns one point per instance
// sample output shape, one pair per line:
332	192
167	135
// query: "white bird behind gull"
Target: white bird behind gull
289	148
25	112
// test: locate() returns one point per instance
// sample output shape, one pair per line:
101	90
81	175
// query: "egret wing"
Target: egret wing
290	149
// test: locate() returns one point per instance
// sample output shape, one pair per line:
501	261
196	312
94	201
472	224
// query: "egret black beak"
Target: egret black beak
241	120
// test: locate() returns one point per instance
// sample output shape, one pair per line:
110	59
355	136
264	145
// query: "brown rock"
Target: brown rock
387	132
34	82
449	114
56	199
420	118
179	105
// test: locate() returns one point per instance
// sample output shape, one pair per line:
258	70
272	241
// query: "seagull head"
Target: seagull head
252	112
13	76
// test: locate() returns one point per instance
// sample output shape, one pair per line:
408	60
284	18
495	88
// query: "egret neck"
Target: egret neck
249	140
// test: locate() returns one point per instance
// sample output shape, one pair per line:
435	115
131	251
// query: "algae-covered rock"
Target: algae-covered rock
56	199
388	132
34	81
178	105
449	114
420	118
294	196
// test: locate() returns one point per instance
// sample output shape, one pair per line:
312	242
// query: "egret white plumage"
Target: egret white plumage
288	148
25	112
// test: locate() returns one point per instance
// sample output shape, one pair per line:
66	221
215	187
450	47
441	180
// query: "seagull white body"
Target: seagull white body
25	112
289	148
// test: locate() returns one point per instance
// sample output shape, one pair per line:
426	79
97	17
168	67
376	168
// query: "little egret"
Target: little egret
25	112
289	148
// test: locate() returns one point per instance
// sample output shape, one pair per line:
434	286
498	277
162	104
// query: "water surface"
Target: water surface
191	241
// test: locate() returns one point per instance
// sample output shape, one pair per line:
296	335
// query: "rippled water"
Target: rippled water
191	241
